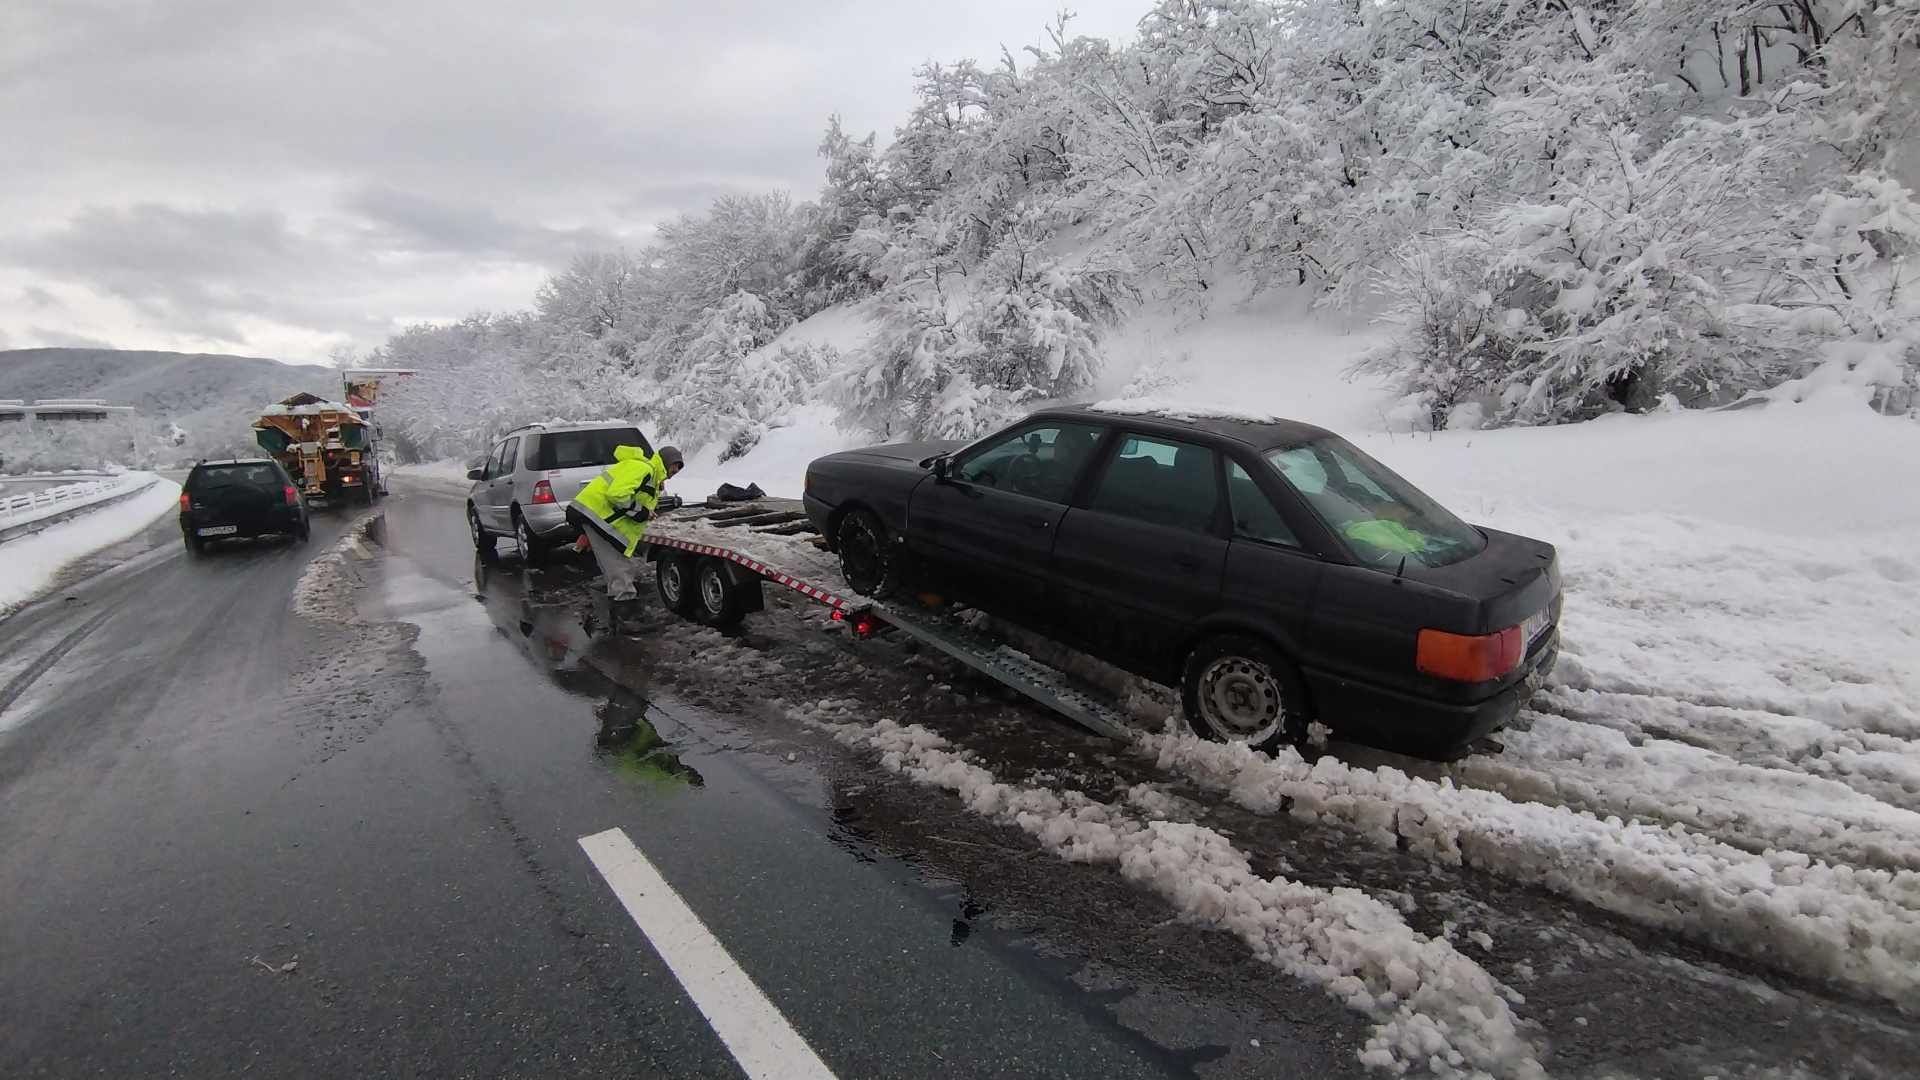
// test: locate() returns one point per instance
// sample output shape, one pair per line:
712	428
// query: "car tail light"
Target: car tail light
1469	657
292	495
542	493
186	501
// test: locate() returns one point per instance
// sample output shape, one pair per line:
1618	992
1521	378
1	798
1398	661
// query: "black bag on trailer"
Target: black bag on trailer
734	493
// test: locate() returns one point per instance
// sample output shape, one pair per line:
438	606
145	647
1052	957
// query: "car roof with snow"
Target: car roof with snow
235	461
1257	431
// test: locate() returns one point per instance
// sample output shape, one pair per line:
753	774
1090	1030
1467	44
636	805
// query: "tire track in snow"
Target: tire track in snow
1434	1007
1835	923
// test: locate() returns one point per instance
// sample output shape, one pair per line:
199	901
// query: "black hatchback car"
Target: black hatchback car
224	500
1270	569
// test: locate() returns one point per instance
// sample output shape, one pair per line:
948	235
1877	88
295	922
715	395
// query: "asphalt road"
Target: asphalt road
240	838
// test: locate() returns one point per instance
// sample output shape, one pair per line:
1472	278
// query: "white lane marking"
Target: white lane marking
755	1032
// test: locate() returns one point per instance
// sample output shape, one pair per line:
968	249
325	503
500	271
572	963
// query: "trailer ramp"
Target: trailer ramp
773	538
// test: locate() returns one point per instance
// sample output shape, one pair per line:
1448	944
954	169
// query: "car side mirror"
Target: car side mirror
940	472
476	474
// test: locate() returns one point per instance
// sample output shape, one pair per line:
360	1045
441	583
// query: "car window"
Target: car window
1254	515
493	462
582	449
510	457
1382	517
1039	462
259	474
1162	482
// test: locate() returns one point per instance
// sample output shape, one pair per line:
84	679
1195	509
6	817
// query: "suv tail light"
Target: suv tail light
292	494
186	501
542	492
1469	657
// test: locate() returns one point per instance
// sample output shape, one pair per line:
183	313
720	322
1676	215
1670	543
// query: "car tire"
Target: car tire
305	533
532	551
485	543
673	579
867	557
196	547
716	599
1236	688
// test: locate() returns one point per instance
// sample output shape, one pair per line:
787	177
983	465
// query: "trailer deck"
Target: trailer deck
773	540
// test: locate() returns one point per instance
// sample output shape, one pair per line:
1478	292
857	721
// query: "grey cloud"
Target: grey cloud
408	221
63	339
299	169
36	297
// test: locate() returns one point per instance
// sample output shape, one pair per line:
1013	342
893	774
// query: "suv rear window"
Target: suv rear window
1382	517
583	449
255	475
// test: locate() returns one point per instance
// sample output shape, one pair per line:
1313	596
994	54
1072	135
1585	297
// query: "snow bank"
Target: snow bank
445	474
1434	1007
778	463
1859	927
30	563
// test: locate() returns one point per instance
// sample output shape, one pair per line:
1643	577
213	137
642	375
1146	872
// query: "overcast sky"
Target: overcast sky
281	178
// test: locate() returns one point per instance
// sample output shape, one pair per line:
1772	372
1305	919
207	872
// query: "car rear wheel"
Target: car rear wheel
195	545
716	597
673	578
1240	689
867	559
532	551
483	542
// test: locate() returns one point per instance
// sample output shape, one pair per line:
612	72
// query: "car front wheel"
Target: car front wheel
867	560
1240	689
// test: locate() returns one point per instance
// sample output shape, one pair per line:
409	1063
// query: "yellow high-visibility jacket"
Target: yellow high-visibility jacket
621	500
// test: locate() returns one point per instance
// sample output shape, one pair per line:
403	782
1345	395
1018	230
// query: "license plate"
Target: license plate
1535	625
219	530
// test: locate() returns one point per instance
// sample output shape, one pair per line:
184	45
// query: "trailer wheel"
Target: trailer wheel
866	559
483	543
673	578
716	597
1240	689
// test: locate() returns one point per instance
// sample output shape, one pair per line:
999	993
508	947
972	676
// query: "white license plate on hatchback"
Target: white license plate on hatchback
218	530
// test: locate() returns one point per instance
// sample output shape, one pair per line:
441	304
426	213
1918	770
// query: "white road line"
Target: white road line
755	1032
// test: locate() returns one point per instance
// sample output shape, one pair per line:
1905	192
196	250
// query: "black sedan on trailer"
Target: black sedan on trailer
227	500
1269	569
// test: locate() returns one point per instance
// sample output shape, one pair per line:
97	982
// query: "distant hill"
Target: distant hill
212	397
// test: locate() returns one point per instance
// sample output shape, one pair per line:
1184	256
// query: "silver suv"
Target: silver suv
522	489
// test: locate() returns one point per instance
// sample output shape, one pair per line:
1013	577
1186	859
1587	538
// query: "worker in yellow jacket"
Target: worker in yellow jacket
613	509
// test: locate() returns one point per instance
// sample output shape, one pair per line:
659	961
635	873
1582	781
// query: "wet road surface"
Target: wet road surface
237	839
234	839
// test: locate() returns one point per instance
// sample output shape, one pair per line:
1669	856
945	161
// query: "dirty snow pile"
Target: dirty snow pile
30	563
1433	1007
325	588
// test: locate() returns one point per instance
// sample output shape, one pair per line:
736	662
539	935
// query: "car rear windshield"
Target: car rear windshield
582	449
217	476
1381	516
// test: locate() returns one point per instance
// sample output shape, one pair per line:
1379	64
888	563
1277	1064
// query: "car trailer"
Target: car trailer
712	562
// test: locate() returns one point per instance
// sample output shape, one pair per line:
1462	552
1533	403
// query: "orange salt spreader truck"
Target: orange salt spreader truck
325	445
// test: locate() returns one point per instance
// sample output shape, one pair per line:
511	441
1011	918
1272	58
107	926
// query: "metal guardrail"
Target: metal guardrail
33	505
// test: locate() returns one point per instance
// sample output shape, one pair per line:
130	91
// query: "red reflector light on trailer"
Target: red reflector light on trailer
1469	657
542	493
865	626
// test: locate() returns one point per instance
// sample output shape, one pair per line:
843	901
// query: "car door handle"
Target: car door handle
1038	523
